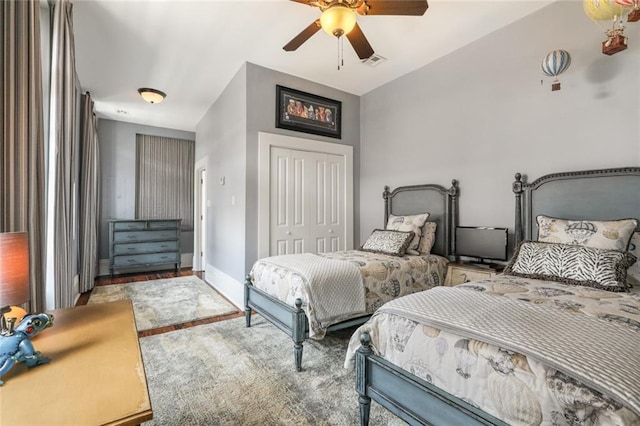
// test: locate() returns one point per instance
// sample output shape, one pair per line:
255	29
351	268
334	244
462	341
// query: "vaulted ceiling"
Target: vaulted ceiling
192	49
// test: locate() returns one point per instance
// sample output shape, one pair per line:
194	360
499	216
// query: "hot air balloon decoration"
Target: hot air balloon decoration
554	64
611	12
634	5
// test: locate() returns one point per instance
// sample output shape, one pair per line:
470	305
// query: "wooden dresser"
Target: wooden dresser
135	243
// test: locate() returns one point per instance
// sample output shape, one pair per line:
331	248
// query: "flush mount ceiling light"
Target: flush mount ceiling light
152	96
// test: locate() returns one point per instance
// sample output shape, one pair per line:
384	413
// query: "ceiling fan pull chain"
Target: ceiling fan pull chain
342	51
338	53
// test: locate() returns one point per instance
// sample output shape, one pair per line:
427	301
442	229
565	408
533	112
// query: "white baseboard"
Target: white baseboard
186	260
226	285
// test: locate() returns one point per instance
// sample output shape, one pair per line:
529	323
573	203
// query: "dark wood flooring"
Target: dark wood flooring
148	276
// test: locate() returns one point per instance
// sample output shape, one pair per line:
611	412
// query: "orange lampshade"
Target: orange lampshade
14	268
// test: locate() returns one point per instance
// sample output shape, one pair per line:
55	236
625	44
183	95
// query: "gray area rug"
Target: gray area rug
169	301
225	374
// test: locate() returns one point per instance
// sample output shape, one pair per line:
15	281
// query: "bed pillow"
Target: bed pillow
611	235
428	238
387	241
571	264
409	223
633	273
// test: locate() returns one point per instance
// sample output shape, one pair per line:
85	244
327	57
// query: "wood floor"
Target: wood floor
148	276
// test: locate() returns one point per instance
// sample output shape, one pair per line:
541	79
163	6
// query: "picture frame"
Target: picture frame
308	113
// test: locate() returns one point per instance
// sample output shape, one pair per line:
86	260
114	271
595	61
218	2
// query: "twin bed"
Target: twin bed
349	286
554	340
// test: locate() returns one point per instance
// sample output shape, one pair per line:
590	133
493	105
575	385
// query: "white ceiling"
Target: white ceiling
192	49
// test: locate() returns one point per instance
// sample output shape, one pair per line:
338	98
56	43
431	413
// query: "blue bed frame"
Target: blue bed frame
605	194
442	205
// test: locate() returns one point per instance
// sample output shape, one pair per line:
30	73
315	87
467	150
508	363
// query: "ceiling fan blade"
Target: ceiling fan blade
393	7
303	36
360	43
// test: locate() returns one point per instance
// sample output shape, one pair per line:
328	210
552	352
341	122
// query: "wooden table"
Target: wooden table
95	376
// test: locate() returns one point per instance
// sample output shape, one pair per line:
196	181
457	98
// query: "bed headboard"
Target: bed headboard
605	194
440	202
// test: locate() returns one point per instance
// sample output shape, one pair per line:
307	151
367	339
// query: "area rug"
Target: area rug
225	374
169	301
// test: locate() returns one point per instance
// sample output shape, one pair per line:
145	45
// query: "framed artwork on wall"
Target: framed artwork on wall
304	112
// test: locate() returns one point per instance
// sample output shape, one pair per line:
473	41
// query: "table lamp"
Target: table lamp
15	341
14	275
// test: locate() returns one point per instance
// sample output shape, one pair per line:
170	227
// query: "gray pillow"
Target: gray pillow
387	241
571	264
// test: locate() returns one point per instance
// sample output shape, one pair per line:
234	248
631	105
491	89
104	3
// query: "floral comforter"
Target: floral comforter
517	389
384	278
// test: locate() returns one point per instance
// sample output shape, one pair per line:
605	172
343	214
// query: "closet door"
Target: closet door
328	219
306	206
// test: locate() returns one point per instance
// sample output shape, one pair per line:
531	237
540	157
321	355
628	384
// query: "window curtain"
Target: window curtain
22	179
164	178
63	135
89	196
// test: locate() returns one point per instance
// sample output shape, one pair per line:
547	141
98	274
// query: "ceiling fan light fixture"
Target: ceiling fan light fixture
152	96
338	20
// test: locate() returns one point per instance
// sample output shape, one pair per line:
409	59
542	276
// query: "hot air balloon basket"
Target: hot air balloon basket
555	86
634	16
614	44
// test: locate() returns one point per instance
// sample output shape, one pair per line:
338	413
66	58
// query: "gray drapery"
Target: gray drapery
63	134
89	196
22	199
164	178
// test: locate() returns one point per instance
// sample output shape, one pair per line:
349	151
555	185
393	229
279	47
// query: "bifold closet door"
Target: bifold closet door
307	206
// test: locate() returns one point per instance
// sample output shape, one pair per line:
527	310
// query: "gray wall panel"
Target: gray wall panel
486	111
117	144
221	136
261	117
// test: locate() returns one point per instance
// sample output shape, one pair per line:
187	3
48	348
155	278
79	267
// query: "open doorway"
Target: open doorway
200	216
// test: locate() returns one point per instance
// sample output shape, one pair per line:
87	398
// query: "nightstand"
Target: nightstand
458	273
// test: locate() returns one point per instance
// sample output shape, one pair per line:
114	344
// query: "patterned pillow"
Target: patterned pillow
611	235
571	264
386	241
428	238
412	223
633	273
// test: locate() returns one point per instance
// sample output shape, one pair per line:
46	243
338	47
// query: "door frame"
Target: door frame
199	226
268	140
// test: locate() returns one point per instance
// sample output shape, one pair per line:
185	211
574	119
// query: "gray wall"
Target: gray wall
228	135
481	114
117	144
261	117
221	136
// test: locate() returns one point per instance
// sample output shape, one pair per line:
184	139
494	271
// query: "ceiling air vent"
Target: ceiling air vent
374	60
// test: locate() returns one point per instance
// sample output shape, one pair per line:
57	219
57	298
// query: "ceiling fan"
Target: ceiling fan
339	18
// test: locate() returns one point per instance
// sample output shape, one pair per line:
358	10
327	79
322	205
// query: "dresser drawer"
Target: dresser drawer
128	226
146	259
138	248
164	224
135	236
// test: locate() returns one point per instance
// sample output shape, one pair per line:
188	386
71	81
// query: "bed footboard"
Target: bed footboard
292	321
412	399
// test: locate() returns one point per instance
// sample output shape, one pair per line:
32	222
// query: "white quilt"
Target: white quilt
333	288
527	351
